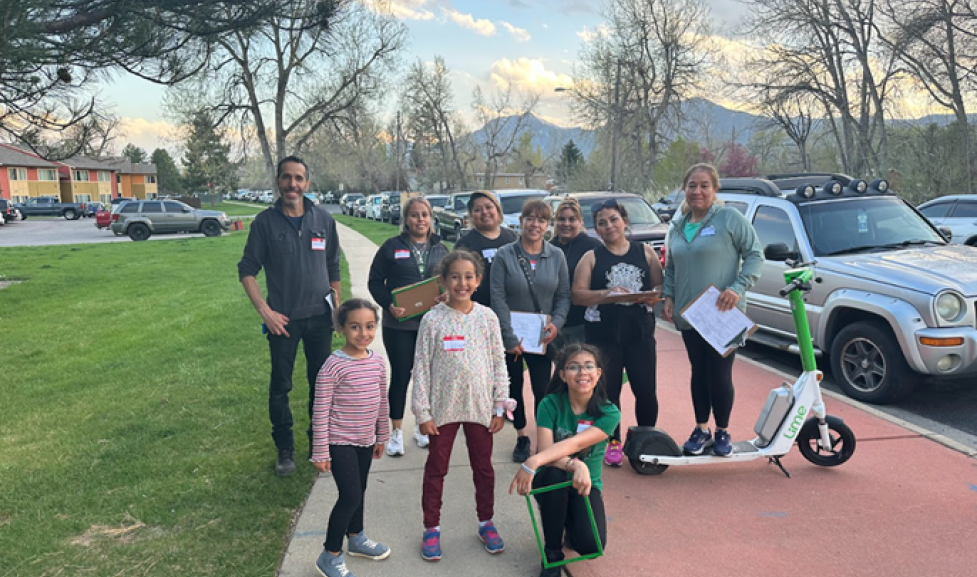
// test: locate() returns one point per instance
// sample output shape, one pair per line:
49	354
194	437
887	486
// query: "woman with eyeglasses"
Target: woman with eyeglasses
709	244
486	238
529	275
573	423
573	240
624	332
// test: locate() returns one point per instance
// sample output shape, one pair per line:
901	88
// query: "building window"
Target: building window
151	178
19	199
48	174
82	198
507	180
80	175
105	198
104	176
17	173
118	178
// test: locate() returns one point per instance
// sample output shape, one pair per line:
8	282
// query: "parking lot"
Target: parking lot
54	231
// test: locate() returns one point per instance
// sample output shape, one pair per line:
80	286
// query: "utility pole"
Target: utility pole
397	146
616	127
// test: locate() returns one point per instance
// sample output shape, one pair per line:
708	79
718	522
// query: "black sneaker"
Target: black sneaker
286	462
552	557
521	452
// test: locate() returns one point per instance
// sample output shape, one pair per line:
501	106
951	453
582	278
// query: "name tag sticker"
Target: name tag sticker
584	425
489	253
398	254
454	343
532	264
318	243
709	231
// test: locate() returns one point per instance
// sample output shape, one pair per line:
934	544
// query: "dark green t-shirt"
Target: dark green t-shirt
554	413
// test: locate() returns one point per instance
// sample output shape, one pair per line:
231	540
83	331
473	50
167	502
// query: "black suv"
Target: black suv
7	211
390	207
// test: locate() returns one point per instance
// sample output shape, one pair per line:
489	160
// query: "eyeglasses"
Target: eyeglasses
609	203
575	368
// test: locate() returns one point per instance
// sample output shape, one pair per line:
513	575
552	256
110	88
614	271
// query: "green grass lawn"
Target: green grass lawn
376	231
134	434
234	208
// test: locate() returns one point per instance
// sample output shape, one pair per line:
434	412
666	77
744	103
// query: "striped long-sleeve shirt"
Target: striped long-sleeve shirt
350	404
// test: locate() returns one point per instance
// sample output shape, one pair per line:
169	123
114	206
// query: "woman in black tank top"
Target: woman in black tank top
624	332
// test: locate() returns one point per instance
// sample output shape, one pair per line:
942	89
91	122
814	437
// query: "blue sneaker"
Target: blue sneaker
431	545
332	565
723	446
697	441
361	546
489	536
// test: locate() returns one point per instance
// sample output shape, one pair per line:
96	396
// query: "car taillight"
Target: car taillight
115	217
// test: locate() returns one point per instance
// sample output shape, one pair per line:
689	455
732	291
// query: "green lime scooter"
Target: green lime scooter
793	413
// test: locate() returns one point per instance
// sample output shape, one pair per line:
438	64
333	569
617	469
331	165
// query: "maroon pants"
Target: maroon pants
479	442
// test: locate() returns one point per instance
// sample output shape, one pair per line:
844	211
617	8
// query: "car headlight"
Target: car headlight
949	306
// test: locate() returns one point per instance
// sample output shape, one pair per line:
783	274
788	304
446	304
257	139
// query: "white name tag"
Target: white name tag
489	254
454	343
318	244
401	254
709	231
583	426
532	264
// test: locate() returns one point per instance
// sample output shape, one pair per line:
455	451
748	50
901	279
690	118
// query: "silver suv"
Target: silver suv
140	219
891	301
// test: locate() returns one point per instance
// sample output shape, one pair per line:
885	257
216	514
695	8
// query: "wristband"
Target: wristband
569	462
499	411
527	469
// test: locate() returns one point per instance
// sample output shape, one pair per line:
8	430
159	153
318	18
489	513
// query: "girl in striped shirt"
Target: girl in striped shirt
349	429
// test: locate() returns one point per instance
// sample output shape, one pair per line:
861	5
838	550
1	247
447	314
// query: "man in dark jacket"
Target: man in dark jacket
297	245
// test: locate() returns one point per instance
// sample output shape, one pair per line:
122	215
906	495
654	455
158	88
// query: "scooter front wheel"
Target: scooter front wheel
842	442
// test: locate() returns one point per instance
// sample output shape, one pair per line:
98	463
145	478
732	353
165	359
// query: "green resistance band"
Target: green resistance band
539	540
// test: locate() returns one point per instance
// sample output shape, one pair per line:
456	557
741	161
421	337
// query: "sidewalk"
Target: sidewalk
903	506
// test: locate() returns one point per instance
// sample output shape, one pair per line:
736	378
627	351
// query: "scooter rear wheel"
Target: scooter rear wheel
653	445
842	442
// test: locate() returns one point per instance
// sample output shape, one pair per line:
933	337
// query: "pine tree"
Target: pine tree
168	176
570	160
135	154
208	168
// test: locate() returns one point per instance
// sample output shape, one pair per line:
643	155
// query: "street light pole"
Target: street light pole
397	153
617	117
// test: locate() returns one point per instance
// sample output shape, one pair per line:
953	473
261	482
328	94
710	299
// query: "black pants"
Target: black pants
712	380
350	469
564	511
400	352
316	336
639	358
540	371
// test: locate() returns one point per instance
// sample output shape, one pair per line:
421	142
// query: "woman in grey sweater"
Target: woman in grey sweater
519	270
709	244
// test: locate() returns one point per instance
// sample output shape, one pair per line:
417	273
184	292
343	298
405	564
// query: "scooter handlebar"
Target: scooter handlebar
796	284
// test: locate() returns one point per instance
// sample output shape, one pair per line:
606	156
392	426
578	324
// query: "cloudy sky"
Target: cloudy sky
533	42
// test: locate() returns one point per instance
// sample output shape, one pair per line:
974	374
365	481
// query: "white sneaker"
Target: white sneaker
421	440
395	446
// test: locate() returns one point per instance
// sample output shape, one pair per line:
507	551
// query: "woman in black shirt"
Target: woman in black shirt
486	238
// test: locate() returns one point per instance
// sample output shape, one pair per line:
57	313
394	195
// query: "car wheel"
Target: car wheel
457	232
138	231
868	364
210	228
971	241
70	215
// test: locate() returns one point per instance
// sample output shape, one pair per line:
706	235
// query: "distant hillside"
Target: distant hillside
548	136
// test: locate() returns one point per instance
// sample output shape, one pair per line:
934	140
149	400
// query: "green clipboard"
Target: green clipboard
539	540
417	298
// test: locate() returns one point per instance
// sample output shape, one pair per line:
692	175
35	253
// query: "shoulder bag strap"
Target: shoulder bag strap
524	264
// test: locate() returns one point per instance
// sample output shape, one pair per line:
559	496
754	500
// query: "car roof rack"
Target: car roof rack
757	186
790	181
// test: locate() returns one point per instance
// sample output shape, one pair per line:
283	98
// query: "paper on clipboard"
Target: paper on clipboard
724	331
528	327
417	298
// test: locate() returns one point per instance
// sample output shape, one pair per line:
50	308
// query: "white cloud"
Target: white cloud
148	134
403	9
519	34
480	26
527	74
587	35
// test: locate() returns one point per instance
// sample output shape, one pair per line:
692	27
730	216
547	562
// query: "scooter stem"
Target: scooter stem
796	298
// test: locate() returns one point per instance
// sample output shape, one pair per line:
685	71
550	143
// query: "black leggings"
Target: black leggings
564	510
400	352
350	469
640	360
712	380
540	371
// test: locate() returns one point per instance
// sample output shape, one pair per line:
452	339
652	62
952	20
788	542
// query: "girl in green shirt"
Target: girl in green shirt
573	424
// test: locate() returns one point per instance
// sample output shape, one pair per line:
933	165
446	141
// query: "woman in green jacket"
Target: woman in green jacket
709	244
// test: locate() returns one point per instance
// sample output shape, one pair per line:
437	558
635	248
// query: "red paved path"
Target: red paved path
902	506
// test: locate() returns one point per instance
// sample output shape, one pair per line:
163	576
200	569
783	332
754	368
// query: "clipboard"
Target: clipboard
628	298
417	298
524	325
724	331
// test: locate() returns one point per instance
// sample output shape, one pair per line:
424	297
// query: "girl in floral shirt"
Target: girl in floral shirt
460	380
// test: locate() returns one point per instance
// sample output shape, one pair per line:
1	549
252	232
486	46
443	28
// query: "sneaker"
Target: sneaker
395	446
723	446
431	545
614	455
552	557
332	565
489	536
697	441
421	440
285	465
521	452
361	546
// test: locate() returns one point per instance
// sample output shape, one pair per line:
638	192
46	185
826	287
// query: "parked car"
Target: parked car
512	201
451	217
667	205
313	197
120	200
892	300
50	206
91	208
8	213
373	207
359	207
141	219
645	224
956	212
266	197
390	207
347	200
329	197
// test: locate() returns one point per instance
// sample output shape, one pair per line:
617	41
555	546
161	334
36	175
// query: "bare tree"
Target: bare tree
794	114
504	118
